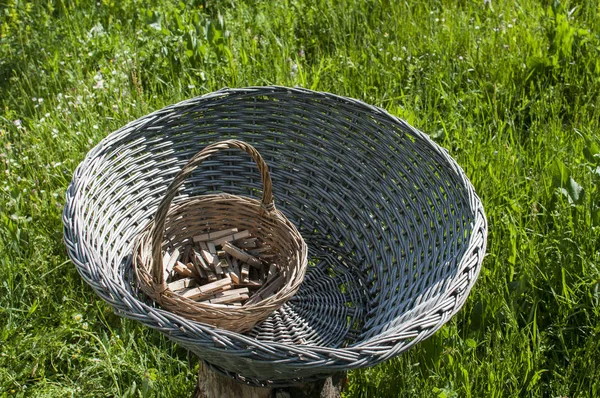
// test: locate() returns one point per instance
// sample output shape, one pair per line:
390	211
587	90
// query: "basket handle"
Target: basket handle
163	208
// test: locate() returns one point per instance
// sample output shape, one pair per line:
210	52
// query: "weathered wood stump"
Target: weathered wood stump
214	385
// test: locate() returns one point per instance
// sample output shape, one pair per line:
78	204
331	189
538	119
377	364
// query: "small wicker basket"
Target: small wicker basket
175	226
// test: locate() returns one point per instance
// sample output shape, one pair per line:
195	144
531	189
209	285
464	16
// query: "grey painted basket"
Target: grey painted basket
395	231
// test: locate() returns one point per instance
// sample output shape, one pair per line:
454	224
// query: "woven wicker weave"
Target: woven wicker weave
395	230
218	212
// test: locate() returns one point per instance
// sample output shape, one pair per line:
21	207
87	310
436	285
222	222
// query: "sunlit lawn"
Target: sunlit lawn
510	89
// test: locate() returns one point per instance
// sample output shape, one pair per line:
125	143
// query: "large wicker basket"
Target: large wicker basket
176	226
395	229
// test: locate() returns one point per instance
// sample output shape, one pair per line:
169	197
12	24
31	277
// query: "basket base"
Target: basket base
212	384
328	310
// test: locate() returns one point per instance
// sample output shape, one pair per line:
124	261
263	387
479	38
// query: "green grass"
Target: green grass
512	90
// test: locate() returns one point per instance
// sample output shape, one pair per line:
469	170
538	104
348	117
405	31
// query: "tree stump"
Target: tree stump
214	385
